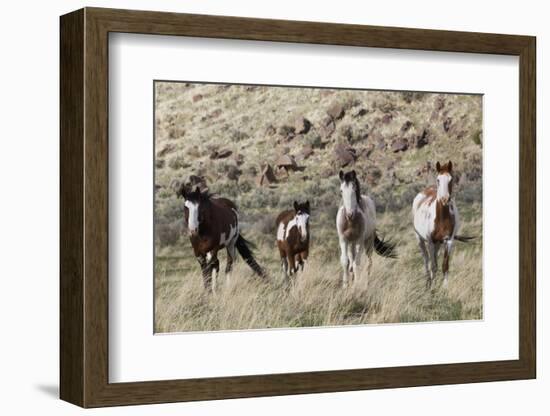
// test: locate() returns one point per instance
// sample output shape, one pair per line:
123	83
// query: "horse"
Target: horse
356	226
436	222
213	224
293	237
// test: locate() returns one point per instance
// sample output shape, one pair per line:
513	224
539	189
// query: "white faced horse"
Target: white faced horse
356	226
436	222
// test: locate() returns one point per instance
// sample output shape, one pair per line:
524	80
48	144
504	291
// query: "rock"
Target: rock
287	132
233	173
422	140
301	125
399	145
336	111
447	124
197	97
216	113
359	112
460	135
267	176
270	130
220	154
195	180
327	128
344	155
306	152
287	162
347	132
387	118
406	126
170	147
239	159
381	144
175	132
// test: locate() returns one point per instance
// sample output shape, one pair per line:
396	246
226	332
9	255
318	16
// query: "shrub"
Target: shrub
167	234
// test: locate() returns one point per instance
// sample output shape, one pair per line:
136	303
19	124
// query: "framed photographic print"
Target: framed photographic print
263	207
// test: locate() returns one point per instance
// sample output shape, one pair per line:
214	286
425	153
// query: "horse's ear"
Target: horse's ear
198	190
353	175
438	167
295	206
307	204
341	174
450	165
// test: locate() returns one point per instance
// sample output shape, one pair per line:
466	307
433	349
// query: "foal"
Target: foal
293	237
356	226
213	224
436	222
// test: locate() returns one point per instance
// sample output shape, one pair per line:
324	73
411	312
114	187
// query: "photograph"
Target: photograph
304	206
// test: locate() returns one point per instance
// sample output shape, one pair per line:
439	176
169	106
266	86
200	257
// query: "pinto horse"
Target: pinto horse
356	226
293	237
213	224
436	222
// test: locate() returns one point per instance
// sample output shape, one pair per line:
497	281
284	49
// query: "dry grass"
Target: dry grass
395	292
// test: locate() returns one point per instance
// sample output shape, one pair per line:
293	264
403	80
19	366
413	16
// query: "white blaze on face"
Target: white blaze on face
301	222
348	197
443	182
193	219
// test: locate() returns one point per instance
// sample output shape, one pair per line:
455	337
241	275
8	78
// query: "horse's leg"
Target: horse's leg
206	273
425	255
433	262
300	262
284	261
303	258
356	263
446	256
291	263
352	254
369	247
213	264
230	259
344	260
284	267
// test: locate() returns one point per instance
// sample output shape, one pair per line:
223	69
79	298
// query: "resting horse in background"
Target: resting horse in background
213	224
356	225
436	222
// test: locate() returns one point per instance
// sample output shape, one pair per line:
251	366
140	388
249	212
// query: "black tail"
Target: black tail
464	238
384	248
244	249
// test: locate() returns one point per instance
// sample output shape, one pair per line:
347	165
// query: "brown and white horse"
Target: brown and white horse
436	222
356	226
293	237
213	224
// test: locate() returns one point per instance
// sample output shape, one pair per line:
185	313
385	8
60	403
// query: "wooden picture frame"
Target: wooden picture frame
84	207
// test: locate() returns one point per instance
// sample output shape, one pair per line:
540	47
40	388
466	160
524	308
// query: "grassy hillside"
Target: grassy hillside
223	137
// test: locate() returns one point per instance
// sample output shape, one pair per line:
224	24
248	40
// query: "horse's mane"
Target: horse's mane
358	193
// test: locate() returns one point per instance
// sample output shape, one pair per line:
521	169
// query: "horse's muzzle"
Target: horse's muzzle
350	215
193	233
